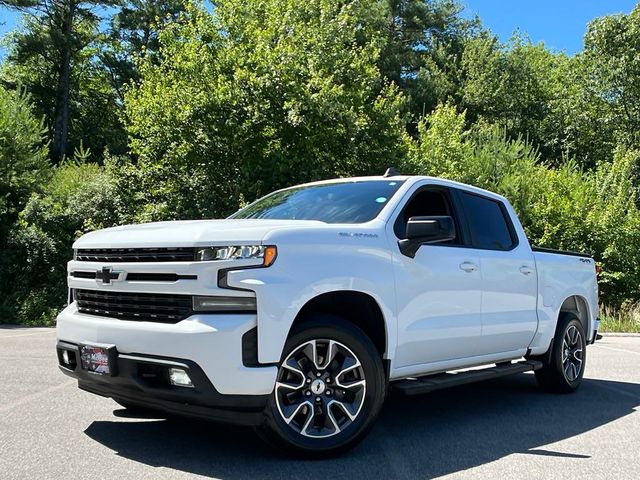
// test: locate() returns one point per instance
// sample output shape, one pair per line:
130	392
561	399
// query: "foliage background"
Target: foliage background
183	110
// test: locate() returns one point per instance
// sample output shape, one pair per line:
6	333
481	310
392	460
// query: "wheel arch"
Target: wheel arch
353	306
577	305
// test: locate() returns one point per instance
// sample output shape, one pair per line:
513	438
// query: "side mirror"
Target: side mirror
421	230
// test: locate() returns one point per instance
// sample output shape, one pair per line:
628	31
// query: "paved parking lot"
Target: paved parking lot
505	428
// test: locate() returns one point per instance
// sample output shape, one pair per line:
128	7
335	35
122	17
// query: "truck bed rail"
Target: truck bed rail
561	252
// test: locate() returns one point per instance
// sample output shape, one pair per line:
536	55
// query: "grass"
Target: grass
625	319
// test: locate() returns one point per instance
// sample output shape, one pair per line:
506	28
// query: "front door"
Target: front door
438	292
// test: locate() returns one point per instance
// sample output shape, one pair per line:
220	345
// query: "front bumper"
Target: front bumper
210	346
144	381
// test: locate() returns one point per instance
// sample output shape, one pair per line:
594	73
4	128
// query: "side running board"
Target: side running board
439	381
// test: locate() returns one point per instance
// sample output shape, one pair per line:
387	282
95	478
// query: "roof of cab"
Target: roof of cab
412	179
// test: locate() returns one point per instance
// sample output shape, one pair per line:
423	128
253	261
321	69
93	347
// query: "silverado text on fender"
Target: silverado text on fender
297	313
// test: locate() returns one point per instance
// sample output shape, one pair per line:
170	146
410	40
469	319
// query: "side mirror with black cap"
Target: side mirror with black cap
421	230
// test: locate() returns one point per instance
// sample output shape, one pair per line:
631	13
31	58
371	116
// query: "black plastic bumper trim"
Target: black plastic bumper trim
143	380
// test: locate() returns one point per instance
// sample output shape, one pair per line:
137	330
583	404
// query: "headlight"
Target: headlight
241	252
224	304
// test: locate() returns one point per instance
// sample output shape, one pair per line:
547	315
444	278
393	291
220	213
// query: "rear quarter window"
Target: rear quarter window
488	222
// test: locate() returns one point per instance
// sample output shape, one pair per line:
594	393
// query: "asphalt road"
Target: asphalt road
504	428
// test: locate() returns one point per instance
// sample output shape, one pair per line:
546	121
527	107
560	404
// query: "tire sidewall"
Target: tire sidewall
567	322
332	328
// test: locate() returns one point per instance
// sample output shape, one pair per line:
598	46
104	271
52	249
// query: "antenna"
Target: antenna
391	172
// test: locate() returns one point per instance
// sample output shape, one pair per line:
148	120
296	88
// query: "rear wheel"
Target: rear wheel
329	390
564	369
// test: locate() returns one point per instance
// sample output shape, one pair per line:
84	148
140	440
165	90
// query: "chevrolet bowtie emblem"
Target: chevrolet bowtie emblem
107	275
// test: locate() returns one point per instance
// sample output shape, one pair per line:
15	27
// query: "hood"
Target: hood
190	233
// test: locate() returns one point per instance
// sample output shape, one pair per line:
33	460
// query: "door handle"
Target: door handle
526	270
468	267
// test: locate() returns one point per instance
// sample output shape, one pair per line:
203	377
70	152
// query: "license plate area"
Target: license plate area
98	359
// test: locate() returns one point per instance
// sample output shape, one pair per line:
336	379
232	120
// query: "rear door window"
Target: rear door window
488	222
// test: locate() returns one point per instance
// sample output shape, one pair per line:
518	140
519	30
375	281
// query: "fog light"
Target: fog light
179	378
65	357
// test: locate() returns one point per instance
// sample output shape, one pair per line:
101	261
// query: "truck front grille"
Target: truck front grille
178	254
150	307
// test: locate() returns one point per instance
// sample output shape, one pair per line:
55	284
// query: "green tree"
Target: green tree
23	156
133	33
612	60
257	96
423	49
47	56
578	107
518	86
592	211
24	169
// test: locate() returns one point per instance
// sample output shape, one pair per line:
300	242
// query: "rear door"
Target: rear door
509	280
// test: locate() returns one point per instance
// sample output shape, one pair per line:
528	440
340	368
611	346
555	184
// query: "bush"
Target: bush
79	198
23	156
259	96
593	212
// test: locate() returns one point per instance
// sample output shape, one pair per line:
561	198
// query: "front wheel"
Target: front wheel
329	390
563	371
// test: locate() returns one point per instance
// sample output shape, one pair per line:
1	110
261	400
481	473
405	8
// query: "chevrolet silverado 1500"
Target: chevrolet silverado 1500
298	313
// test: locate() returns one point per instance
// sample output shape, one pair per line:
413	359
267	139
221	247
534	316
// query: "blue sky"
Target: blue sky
560	24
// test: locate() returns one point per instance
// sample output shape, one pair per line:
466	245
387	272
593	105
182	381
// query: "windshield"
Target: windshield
343	202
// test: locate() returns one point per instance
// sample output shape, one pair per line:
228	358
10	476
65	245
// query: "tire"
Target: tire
324	407
564	367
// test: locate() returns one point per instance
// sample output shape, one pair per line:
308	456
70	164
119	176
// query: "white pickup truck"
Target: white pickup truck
299	312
